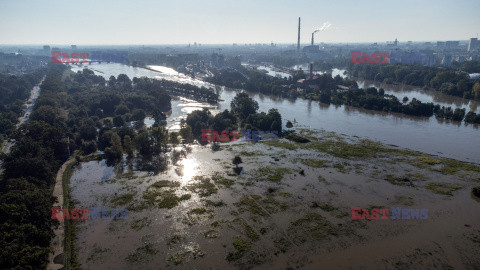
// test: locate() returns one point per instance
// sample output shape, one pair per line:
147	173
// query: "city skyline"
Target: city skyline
226	22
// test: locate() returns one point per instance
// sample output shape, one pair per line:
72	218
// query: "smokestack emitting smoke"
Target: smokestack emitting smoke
324	27
298	42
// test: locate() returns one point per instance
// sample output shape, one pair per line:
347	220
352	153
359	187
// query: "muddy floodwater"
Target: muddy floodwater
289	208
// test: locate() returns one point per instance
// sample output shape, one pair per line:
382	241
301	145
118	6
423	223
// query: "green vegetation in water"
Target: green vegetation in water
316	163
203	186
138	224
342	149
444	165
163	198
270	174
322	179
214	203
199	211
250	204
285	194
123	199
443	188
129	175
241	246
210	234
340	167
141	252
342	214
296	138
165	183
282	244
405	200
311	226
249	231
399	180
177	258
282	144
327	207
175	239
222	181
249	154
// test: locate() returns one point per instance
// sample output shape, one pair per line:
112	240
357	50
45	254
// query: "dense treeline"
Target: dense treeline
14	91
326	91
76	111
373	99
255	81
449	81
243	114
25	189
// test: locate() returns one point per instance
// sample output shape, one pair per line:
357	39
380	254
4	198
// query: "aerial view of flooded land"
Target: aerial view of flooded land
240	135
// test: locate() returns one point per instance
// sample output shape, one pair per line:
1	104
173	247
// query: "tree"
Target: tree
118	121
405	99
138	115
186	133
476	90
242	105
115	151
174	138
289	124
128	145
237	160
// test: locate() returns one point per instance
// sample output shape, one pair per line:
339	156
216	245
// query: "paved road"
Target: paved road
23	119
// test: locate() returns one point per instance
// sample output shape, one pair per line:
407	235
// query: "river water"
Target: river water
430	135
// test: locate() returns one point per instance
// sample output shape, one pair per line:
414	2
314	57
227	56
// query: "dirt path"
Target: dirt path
56	257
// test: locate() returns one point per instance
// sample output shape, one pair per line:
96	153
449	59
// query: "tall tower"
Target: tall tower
298	42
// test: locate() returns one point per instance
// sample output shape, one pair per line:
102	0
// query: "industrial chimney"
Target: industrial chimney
312	37
298	42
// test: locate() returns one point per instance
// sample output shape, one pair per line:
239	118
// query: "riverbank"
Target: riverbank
292	210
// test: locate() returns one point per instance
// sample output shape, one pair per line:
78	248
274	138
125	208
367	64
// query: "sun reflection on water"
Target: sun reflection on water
190	169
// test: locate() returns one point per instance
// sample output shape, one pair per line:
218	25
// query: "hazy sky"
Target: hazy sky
225	21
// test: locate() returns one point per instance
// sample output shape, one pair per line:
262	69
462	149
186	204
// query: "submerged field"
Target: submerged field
289	208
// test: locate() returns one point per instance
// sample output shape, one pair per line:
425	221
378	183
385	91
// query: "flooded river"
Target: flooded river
430	135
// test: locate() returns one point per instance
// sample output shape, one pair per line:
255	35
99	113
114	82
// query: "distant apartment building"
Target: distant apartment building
474	44
448	45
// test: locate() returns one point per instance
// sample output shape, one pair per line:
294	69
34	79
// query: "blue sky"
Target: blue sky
225	21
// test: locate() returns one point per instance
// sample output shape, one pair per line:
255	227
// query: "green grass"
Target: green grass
327	207
214	203
248	203
316	163
399	180
140	252
176	258
123	199
203	186
163	198
311	226
198	211
281	144
443	188
138	224
222	181
71	260
249	231
241	247
444	165
405	200
339	148
165	183
270	174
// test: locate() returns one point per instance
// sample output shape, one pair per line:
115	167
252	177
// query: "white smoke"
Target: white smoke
325	26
